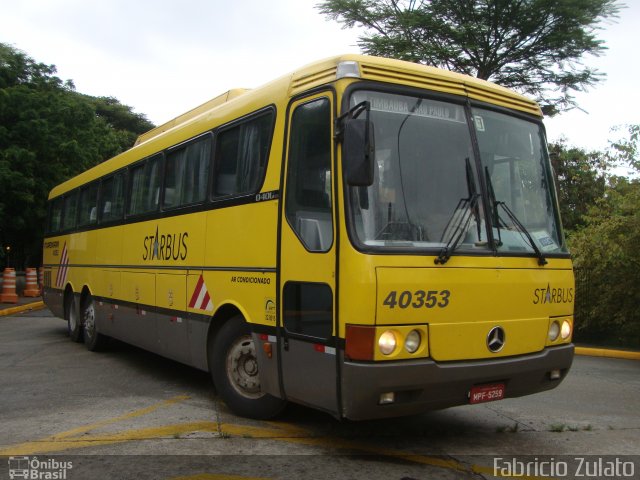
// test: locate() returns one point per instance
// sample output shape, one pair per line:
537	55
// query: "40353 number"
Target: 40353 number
418	299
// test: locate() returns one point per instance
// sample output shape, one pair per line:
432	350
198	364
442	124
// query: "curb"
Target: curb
603	352
22	308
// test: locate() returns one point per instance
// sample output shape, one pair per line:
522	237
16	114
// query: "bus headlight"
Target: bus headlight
412	342
565	332
554	331
387	342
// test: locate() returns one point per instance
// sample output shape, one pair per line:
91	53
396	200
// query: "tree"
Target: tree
48	133
581	179
607	262
606	254
626	151
533	46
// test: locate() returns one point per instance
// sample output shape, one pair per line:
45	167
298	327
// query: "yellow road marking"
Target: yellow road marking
357	446
126	416
297	435
57	444
70	440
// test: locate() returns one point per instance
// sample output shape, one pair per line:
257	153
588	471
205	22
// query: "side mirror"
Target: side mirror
358	152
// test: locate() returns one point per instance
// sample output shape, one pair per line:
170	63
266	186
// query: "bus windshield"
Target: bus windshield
426	191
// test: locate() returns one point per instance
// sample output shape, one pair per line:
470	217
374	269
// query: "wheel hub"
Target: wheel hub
242	367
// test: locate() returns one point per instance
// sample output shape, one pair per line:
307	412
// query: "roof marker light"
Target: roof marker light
348	69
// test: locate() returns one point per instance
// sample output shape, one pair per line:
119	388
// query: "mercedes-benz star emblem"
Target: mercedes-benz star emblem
496	339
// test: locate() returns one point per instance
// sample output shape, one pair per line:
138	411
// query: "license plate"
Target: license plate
486	393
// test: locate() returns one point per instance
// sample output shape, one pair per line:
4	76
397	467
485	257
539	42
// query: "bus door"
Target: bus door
308	258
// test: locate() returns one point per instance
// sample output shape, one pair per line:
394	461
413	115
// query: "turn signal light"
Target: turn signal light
359	342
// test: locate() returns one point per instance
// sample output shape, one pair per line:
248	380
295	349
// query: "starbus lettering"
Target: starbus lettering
552	295
165	246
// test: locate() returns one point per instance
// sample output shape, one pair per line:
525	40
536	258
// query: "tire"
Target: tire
93	340
234	370
74	325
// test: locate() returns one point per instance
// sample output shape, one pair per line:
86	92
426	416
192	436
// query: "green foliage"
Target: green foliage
601	215
626	151
606	254
48	133
581	181
533	46
606	250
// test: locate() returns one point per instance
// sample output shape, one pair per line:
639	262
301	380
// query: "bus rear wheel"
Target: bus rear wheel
93	340
233	364
74	326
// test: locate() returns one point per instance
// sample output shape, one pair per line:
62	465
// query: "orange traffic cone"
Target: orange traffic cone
31	288
9	286
41	277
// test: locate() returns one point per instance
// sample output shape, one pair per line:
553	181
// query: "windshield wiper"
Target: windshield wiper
497	220
458	224
467	207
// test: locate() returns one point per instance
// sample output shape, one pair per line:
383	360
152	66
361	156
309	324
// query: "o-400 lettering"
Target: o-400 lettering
418	299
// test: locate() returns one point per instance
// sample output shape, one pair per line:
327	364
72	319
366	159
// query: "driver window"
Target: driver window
308	202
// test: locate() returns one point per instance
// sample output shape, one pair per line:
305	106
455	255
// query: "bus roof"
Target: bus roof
412	74
238	102
194	112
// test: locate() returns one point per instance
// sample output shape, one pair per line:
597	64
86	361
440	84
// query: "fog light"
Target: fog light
412	342
566	330
387	342
386	398
554	331
554	374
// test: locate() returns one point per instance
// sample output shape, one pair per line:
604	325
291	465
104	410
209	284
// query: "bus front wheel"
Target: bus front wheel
233	364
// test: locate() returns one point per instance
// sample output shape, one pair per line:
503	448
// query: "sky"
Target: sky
163	57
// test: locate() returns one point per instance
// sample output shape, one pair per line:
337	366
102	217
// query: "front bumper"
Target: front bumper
424	385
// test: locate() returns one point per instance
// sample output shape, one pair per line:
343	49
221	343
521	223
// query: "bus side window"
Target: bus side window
55	215
144	188
187	173
87	207
196	173
70	211
173	178
241	156
112	198
308	202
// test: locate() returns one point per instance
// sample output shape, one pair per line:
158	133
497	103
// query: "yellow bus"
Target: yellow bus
365	236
